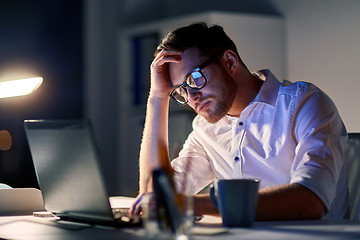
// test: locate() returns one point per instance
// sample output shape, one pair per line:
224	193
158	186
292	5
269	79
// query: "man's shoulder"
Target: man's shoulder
307	94
298	87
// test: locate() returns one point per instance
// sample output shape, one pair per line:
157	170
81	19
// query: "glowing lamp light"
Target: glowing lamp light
19	87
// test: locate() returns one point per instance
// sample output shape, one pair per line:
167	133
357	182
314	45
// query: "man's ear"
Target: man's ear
231	61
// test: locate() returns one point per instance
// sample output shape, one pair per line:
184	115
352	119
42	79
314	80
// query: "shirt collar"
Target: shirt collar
269	90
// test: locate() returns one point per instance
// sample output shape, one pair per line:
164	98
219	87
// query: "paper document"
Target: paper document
121	201
20	201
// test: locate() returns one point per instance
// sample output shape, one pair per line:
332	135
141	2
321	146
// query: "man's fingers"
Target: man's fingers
167	56
135	208
166	59
165	52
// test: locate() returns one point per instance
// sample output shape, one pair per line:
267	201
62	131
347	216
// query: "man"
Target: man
249	125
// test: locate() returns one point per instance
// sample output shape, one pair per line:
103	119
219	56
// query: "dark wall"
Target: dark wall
44	38
141	11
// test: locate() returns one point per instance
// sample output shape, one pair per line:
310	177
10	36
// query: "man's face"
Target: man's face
215	99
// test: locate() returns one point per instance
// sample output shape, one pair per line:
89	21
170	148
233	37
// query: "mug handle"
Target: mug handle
213	198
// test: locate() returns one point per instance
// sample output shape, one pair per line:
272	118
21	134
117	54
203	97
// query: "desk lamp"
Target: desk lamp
14	88
19	87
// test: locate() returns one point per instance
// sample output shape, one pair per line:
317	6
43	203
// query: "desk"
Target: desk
28	227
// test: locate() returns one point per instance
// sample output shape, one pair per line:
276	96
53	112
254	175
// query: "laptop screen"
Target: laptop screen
66	163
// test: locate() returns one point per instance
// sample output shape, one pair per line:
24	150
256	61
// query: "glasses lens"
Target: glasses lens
180	95
196	80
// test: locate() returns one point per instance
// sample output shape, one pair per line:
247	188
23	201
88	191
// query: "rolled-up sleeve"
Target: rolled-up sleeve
321	140
192	169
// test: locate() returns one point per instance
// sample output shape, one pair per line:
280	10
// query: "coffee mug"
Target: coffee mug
236	200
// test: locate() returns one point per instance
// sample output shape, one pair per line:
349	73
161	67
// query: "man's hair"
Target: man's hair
209	40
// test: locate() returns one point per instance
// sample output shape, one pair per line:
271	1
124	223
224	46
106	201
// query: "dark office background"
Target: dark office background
42	38
74	45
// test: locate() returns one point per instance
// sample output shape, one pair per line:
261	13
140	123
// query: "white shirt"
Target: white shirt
290	133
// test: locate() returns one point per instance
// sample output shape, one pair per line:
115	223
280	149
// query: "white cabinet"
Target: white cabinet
260	42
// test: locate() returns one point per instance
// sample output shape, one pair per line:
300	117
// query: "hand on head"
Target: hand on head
161	85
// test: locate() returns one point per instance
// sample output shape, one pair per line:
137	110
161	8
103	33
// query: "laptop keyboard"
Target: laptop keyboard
120	212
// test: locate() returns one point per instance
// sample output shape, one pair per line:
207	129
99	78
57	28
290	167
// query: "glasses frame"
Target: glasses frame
198	69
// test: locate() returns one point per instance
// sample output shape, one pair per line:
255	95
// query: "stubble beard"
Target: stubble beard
222	105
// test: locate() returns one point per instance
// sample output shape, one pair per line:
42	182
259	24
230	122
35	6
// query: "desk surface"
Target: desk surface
28	227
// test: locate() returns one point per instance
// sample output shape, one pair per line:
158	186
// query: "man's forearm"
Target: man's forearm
287	202
154	145
204	206
291	201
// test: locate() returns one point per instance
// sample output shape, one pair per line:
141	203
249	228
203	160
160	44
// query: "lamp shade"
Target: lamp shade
19	87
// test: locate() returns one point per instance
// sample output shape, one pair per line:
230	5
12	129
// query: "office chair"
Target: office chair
352	160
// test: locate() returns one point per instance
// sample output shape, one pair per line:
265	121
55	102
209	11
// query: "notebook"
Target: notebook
67	166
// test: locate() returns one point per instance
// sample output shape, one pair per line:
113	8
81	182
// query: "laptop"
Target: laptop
67	166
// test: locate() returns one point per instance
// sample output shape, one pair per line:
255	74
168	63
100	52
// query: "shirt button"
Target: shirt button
241	123
236	159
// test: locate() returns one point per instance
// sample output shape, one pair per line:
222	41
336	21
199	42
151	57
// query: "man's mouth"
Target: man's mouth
202	106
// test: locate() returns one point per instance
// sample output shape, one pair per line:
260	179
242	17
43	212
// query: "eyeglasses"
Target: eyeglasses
195	80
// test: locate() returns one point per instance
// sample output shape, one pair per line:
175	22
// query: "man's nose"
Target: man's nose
193	95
